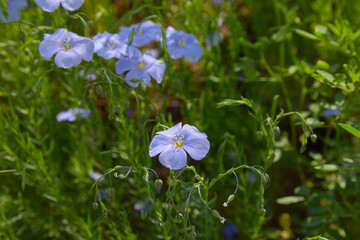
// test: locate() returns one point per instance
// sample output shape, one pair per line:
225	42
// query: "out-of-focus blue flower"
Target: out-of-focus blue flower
109	46
330	112
182	44
213	39
140	67
69	48
13	7
230	230
52	5
72	114
147	32
95	175
172	144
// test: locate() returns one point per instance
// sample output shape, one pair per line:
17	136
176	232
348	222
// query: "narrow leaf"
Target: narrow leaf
350	129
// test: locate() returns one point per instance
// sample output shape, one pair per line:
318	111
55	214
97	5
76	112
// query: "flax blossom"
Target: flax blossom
13	7
109	46
69	48
52	5
171	144
145	34
140	66
182	44
72	114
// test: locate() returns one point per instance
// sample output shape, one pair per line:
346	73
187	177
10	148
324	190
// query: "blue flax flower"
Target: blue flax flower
109	46
172	144
147	32
72	114
52	5
181	44
69	48
141	67
13	12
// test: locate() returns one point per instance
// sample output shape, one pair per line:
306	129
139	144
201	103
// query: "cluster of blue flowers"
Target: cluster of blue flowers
70	49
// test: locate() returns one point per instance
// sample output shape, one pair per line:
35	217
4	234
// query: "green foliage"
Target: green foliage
274	97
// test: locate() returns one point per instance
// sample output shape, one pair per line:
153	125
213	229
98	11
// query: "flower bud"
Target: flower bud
313	137
230	198
192	234
259	135
95	205
158	185
111	191
276	131
143	214
261	210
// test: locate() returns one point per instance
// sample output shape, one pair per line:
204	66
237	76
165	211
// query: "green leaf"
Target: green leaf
327	167
289	200
231	102
306	34
350	129
4	8
326	75
2	214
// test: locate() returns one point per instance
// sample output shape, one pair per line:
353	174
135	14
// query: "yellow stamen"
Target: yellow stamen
141	66
67	43
179	143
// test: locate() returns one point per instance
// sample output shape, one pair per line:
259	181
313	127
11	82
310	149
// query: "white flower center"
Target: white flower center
67	43
179	140
181	43
110	44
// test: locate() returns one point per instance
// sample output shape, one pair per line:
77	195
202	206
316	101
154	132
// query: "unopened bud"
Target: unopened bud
158	185
276	131
143	214
261	210
259	135
111	191
95	205
313	137
192	234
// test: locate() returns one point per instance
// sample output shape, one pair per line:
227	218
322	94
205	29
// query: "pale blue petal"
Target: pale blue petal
96	175
66	116
67	58
191	132
108	53
71	5
197	148
85	48
13	15
193	52
172	132
138	74
159	144
173	158
156	68
99	41
175	50
19	4
59	35
48	48
48	5
133	53
170	31
123	65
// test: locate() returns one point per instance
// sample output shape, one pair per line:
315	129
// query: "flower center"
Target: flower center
181	43
179	143
67	43
141	64
138	32
110	45
179	140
